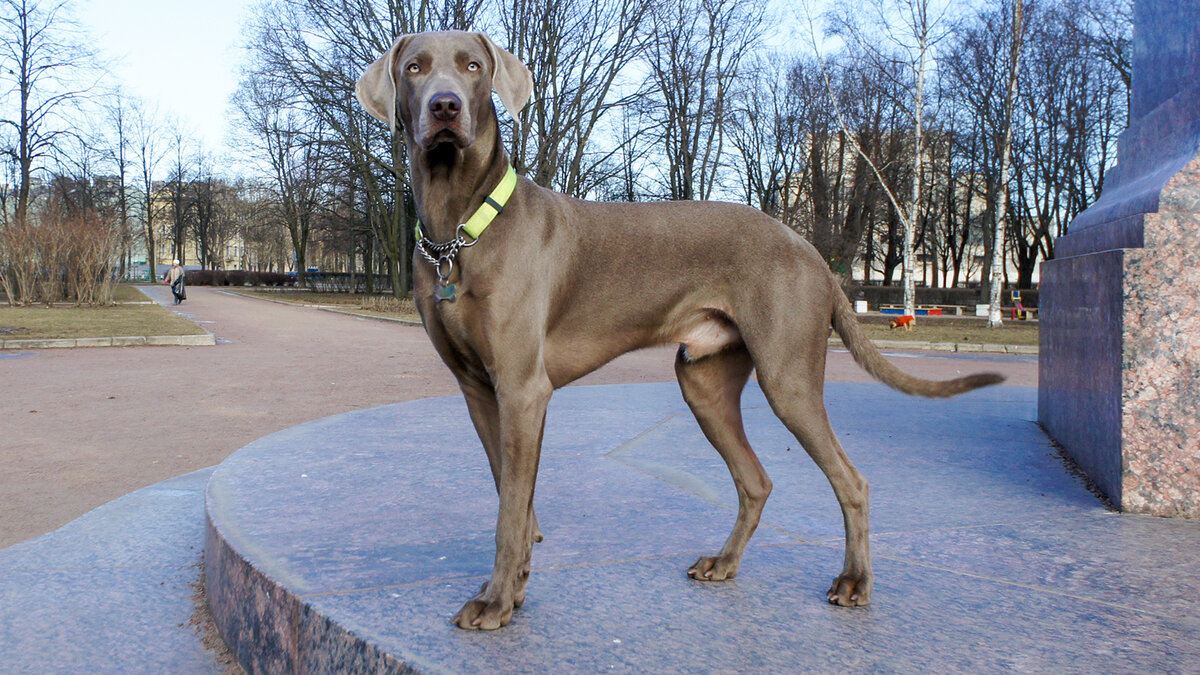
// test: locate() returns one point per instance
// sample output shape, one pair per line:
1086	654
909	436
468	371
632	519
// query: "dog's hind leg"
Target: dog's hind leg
794	387
712	387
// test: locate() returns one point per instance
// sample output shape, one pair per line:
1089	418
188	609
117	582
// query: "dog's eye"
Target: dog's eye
473	66
414	68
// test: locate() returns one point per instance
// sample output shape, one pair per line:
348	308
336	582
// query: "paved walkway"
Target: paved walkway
372	526
86	426
114	591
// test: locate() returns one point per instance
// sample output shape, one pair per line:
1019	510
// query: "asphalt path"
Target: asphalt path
84	426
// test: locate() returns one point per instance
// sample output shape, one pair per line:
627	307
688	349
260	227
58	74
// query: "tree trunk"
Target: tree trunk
910	223
994	318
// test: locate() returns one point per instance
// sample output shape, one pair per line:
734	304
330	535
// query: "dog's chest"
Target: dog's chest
457	322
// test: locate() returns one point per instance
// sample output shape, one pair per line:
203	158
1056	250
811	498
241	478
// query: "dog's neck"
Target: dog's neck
449	183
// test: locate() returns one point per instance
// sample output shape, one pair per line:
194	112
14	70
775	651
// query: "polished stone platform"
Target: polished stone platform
112	591
347	543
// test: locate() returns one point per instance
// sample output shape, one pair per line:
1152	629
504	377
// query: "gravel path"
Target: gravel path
85	426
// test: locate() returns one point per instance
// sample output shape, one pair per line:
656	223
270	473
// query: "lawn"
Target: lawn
121	293
382	305
42	323
953	329
928	329
128	293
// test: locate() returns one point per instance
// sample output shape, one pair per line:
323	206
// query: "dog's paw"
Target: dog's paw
482	613
850	590
713	568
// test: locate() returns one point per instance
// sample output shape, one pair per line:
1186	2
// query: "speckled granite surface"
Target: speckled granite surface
110	592
347	543
1120	319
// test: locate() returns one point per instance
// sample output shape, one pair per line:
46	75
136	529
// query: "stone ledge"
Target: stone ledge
206	339
947	346
38	344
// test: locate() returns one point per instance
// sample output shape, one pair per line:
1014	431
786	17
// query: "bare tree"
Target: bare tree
771	127
695	52
577	49
117	144
43	61
1071	102
890	32
1106	27
178	187
254	216
292	148
1014	63
316	50
149	150
211	202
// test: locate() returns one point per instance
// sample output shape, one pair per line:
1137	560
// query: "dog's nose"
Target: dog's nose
445	106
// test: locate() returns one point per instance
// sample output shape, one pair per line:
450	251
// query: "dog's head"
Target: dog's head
439	86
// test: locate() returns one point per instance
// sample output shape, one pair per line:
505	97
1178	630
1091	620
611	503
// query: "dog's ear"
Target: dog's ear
510	79
376	89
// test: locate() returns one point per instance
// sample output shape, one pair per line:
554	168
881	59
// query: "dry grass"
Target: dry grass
387	306
43	323
953	329
928	329
121	293
128	293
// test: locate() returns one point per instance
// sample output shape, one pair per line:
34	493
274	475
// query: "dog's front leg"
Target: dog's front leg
485	416
522	413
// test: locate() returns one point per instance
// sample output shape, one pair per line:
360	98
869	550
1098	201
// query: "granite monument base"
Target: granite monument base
1119	373
346	544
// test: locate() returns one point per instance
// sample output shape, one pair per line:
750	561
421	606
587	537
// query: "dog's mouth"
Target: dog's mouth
445	136
442	153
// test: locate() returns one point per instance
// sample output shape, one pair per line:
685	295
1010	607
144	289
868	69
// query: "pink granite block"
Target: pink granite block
1161	364
1120	341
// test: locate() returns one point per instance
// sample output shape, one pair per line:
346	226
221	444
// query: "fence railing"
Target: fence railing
344	282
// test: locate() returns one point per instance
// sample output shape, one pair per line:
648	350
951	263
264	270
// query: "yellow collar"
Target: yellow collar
492	206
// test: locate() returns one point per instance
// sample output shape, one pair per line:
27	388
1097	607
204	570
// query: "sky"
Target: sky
183	55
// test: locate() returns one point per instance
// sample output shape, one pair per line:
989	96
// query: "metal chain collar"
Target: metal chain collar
442	255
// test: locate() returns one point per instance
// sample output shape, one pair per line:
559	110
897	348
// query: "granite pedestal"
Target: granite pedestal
1119	375
346	544
112	592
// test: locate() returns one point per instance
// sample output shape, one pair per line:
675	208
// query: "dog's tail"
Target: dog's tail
867	355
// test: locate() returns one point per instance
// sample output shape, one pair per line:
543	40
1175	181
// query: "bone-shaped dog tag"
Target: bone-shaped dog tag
443	292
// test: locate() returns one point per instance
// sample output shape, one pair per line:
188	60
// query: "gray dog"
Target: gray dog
523	290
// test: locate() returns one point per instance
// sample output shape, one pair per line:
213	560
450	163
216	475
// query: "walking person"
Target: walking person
174	278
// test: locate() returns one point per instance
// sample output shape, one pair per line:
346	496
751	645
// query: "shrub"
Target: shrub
59	254
235	278
198	277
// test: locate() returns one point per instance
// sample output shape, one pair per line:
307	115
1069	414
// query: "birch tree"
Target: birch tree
1010	96
905	32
